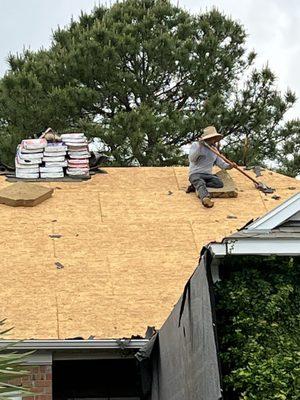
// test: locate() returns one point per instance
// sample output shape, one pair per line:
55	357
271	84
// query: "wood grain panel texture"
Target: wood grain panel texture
126	241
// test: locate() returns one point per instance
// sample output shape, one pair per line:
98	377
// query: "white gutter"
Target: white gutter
255	246
57	344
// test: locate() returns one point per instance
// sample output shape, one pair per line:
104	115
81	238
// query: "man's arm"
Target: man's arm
222	164
196	151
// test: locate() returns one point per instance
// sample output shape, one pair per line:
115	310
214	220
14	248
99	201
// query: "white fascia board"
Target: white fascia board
57	344
276	246
277	216
38	358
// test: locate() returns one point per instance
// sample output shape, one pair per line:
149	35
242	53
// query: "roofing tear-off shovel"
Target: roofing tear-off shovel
259	185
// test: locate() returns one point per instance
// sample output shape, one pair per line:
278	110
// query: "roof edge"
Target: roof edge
60	344
277	215
256	246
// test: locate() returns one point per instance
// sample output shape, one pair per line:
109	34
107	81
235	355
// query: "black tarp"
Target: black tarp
181	361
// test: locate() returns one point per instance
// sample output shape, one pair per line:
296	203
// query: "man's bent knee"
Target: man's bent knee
215	183
219	184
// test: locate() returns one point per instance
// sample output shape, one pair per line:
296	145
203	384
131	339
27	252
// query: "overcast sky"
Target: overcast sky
272	25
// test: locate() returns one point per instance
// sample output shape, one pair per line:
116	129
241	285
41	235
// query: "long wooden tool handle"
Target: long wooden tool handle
230	162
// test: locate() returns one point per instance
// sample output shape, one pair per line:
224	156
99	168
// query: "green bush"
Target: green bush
258	318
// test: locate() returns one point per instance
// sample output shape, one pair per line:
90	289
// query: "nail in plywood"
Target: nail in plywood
24	194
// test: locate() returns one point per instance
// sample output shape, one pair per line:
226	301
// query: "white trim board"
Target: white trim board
57	344
252	246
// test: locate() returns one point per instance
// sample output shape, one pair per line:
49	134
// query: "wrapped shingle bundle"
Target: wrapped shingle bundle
55	160
29	158
78	154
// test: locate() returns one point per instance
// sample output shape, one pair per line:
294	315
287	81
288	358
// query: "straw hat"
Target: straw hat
210	132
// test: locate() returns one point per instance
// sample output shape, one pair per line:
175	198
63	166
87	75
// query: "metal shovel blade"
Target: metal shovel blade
264	188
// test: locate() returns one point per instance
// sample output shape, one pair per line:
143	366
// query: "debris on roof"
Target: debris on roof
5	169
257	169
55	236
231	216
59	265
275	197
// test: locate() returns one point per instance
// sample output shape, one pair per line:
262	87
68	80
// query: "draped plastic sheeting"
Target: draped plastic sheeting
181	362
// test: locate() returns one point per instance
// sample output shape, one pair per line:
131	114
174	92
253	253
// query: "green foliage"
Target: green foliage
146	77
289	157
10	369
258	305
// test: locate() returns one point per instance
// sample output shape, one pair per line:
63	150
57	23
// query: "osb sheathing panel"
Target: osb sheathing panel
129	240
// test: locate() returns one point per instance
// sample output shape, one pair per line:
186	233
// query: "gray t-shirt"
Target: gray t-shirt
203	159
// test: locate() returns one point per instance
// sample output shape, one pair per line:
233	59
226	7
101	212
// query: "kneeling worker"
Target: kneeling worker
202	160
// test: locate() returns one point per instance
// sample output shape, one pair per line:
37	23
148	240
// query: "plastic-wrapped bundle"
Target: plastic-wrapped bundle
55	160
78	154
33	144
29	157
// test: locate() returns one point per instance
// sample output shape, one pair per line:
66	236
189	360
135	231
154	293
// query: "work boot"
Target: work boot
207	202
190	189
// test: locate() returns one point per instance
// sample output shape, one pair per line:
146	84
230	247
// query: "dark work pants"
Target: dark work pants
202	181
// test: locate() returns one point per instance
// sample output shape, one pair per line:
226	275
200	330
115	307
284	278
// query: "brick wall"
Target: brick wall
38	381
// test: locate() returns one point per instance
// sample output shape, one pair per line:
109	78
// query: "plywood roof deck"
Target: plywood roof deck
129	241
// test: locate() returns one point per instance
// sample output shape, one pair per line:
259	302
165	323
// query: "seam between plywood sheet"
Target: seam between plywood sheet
176	180
57	317
110	277
114	308
100	207
53	240
194	237
264	203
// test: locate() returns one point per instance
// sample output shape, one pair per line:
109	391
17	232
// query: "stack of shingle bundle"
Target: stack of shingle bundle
78	154
55	160
29	157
